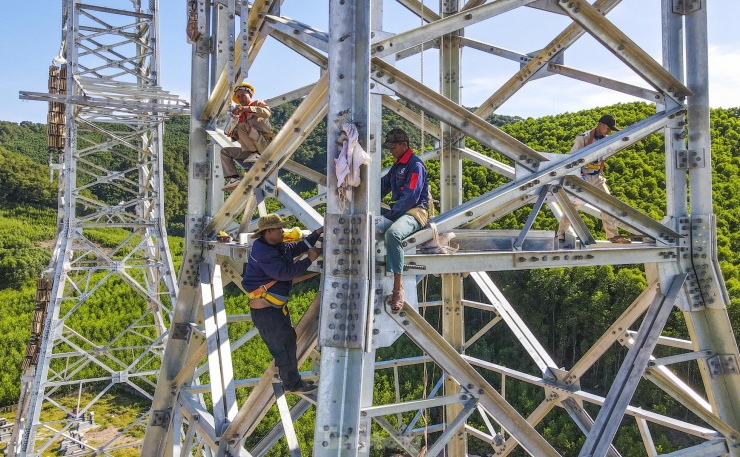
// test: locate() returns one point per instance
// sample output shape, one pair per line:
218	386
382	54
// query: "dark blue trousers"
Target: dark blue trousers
278	333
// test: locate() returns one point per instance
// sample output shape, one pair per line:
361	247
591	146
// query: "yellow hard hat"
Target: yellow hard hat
245	85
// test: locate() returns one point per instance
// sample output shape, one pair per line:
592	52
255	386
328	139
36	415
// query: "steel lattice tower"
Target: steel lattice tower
105	95
347	324
360	79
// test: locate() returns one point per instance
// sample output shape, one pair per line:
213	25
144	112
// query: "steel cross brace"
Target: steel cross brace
427	338
613	206
509	193
605	427
625	49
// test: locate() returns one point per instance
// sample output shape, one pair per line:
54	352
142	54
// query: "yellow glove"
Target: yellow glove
293	234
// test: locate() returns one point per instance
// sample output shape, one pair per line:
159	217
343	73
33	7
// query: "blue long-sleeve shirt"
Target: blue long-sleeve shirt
407	183
268	262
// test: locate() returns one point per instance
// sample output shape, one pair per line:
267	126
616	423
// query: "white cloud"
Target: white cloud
724	62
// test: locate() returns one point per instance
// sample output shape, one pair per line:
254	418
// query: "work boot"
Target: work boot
304	388
396	301
231	184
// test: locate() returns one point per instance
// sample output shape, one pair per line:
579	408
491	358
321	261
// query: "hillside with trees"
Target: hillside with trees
567	307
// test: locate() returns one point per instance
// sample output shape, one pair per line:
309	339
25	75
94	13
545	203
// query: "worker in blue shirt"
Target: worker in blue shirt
269	276
407	183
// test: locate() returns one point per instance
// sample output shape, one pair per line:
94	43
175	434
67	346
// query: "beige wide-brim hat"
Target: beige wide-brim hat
268	222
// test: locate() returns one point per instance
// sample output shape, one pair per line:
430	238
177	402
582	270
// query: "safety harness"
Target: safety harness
277	300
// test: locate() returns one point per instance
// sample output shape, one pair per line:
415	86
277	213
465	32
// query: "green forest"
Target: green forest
572	306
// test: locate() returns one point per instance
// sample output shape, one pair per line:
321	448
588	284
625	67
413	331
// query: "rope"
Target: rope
426	278
448	249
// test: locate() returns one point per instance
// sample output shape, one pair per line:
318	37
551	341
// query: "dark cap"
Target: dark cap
609	121
395	136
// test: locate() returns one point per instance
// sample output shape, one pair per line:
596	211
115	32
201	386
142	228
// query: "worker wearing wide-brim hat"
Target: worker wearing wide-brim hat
253	132
269	276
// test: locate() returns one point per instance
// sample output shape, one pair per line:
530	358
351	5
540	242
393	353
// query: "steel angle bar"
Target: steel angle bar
289	96
232	36
413	50
305	172
495	50
680	358
234	277
647	438
427	338
441	107
444	26
491	164
594	22
486	438
186	448
551	6
714	448
452	428
620	210
218	386
410	426
276	432
104	9
303	120
402	440
540	412
535	350
611	335
487	421
667	381
532	215
608	83
243	37
495	213
559	44
489	325
286	420
620	393
473	4
431	402
298	206
507	260
571	212
301	32
584	421
313	201
309	53
204	423
411	116
479	305
137	107
414	6
482	205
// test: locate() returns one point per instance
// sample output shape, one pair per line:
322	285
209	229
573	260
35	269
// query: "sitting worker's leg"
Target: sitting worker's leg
231	173
400	229
228	156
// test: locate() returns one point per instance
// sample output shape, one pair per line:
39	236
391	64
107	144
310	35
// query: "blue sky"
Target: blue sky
31	33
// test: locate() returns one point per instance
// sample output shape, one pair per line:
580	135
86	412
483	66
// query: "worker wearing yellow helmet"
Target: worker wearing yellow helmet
253	132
